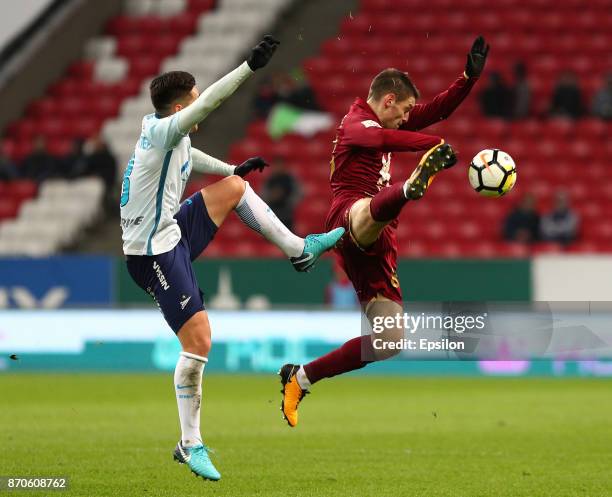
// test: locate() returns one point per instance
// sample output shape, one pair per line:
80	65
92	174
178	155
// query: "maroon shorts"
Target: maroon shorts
373	271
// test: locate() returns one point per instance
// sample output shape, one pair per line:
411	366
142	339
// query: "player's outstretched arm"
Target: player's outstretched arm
445	103
219	91
204	163
369	134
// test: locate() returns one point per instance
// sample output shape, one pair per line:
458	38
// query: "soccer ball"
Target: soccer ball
492	173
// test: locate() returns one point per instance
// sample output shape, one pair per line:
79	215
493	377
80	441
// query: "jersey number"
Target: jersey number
125	185
385	171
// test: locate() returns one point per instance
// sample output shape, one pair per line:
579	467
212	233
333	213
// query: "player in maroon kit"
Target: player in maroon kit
367	205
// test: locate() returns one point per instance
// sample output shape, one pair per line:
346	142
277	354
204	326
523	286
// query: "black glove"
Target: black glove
476	58
262	53
254	163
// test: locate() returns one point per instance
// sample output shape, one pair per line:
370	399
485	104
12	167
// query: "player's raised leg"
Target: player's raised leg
194	336
369	216
233	193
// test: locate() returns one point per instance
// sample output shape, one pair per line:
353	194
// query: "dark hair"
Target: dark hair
393	81
168	87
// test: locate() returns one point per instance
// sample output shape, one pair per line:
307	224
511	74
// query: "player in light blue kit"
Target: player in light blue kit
161	237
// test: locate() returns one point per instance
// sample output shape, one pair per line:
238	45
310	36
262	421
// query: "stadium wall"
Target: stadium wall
245	342
100	281
572	278
129	335
423	280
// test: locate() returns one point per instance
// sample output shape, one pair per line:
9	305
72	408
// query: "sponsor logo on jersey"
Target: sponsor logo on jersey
185	171
127	222
160	276
370	124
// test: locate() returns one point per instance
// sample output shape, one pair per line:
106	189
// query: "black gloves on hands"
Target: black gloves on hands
476	58
262	53
254	163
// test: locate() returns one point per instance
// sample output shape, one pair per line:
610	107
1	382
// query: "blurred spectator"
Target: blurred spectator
567	98
39	164
292	89
101	162
7	168
301	94
265	99
523	223
561	224
74	164
340	293
495	98
282	192
521	92
602	101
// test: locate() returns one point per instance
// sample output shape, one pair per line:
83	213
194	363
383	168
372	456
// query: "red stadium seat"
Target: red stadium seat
43	106
131	45
25	129
21	190
9	208
199	6
141	67
59	146
82	69
182	24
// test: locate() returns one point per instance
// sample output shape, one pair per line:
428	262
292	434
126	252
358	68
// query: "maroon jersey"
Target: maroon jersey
361	167
361	158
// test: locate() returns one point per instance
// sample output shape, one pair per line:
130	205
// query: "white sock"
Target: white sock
258	216
302	379
188	387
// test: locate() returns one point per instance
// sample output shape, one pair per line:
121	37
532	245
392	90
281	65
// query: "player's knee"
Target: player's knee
388	344
200	345
386	340
235	186
384	354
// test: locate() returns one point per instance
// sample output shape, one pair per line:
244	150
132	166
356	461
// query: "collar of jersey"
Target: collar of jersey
362	104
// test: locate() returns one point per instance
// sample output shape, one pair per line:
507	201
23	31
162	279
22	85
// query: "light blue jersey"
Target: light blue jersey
157	173
153	185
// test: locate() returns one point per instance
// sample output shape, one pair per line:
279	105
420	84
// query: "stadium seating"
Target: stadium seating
107	92
52	220
115	66
551	154
209	36
91	92
219	38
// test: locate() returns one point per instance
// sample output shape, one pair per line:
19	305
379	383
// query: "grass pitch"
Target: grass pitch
113	435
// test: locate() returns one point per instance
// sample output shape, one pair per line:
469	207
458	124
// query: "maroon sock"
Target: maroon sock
387	203
348	357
